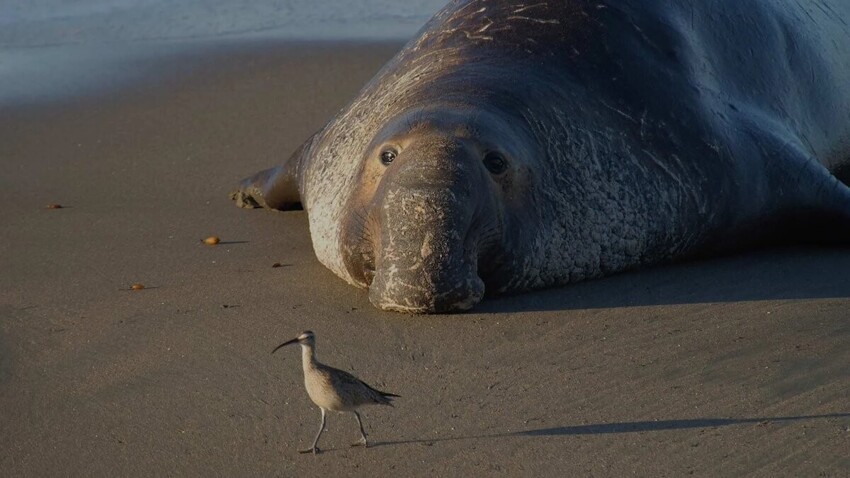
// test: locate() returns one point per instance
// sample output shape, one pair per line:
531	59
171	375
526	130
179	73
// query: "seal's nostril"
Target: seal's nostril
368	273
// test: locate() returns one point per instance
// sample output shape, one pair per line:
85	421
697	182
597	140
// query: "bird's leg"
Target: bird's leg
362	441
314	449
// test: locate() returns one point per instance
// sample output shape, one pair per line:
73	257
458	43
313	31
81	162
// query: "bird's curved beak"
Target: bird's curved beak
293	341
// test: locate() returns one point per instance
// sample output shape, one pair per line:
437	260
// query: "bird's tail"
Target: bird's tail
385	398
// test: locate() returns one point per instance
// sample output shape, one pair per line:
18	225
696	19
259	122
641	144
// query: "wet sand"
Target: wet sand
717	367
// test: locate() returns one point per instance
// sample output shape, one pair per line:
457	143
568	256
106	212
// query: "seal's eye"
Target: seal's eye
388	156
495	163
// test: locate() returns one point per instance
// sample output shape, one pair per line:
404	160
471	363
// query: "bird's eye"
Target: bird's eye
388	156
495	163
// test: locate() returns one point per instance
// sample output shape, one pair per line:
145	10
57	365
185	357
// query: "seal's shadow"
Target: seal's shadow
803	272
625	427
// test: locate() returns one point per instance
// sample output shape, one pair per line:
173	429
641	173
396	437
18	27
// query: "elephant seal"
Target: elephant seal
519	145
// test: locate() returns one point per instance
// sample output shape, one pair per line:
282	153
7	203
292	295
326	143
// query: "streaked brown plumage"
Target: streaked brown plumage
333	389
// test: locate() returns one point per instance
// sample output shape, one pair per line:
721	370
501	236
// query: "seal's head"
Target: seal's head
427	228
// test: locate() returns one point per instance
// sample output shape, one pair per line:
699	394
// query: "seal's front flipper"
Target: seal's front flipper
275	188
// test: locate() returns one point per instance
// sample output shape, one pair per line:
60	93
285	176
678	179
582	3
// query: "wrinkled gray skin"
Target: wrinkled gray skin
631	132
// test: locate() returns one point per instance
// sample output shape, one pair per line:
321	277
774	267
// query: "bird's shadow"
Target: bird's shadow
620	427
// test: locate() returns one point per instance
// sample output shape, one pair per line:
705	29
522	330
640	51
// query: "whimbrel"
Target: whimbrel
333	389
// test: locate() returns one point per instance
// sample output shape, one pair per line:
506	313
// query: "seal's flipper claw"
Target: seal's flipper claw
243	199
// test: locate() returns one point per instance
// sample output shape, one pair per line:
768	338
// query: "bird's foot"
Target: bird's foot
315	450
361	442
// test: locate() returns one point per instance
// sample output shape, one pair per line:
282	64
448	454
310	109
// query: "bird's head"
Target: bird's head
305	338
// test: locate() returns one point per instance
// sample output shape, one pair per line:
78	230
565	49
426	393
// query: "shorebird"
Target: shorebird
333	389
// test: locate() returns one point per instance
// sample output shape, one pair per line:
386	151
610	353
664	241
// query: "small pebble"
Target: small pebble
54	206
212	240
137	286
277	264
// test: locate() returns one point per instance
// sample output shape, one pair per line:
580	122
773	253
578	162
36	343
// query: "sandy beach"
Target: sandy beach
728	366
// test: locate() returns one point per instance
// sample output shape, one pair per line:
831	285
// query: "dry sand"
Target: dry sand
719	367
